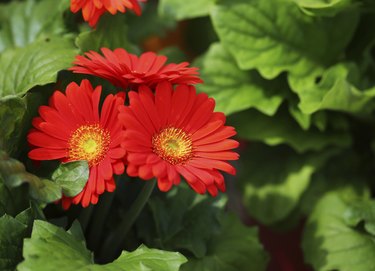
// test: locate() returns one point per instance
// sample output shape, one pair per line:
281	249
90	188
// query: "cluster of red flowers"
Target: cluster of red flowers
165	130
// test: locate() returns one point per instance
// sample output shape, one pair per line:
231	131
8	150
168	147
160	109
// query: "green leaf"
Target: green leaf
72	177
234	248
12	233
143	259
24	22
271	187
14	174
330	244
333	91
343	173
181	10
111	32
183	220
52	248
12	200
23	68
12	111
324	7
281	129
362	212
235	90
267	35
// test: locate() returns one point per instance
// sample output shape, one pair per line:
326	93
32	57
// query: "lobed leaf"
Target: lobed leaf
235	90
329	243
52	248
274	36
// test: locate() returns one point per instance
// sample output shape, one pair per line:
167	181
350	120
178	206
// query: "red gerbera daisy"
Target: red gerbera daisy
127	70
71	129
93	9
175	132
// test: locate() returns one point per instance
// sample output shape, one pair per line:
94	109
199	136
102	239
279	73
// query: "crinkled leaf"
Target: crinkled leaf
72	177
12	111
27	21
235	90
234	248
324	7
275	36
281	129
12	233
272	187
52	248
330	244
180	9
111	32
14	174
183	220
333	90
36	64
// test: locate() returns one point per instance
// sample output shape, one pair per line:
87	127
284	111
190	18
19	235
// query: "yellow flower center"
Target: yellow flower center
90	143
173	145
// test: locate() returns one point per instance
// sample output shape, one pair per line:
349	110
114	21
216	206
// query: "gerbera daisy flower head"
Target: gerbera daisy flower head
172	133
71	128
92	10
124	69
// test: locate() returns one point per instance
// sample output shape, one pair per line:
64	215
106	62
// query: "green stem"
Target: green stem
99	219
84	217
115	240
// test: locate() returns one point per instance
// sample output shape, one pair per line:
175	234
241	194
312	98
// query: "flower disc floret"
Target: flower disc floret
90	143
173	145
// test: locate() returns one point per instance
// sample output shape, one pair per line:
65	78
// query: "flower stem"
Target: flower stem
99	219
114	242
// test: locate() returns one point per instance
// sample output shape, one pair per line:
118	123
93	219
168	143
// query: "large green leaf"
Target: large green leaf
183	220
111	32
271	186
12	111
235	90
36	64
282	129
275	36
330	243
52	248
234	248
180	9
14	174
72	177
21	23
334	90
12	233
